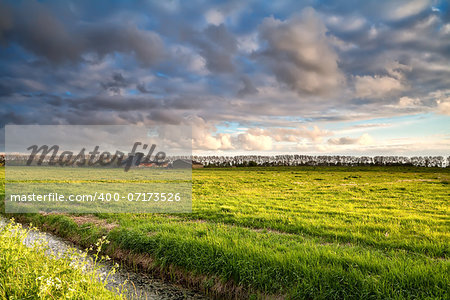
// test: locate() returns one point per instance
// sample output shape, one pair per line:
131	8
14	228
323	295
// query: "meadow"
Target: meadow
289	232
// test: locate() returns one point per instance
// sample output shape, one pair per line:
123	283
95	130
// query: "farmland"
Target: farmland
290	232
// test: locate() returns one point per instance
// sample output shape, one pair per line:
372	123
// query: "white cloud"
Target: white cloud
381	86
408	9
203	138
346	23
408	102
365	139
442	100
444	106
314	134
248	43
445	30
252	142
376	86
373	32
214	17
340	44
253	139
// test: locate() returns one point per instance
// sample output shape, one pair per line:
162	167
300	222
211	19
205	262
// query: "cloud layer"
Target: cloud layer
296	76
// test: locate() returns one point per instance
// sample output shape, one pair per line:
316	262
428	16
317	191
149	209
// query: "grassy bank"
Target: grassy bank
294	232
29	273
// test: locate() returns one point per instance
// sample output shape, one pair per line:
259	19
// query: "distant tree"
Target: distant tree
324	160
252	163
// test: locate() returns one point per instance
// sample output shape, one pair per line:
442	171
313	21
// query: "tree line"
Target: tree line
295	160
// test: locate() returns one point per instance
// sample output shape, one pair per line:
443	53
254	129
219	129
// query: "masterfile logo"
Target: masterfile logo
94	169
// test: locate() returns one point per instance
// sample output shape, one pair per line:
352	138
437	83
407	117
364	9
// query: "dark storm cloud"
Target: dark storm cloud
5	90
5	21
142	88
116	83
248	89
299	54
217	45
146	45
165	117
12	118
33	26
114	103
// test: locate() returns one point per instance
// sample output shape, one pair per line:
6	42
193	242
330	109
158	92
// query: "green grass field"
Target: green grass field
291	232
28	273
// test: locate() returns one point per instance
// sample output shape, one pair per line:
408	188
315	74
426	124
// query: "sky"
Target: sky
248	77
